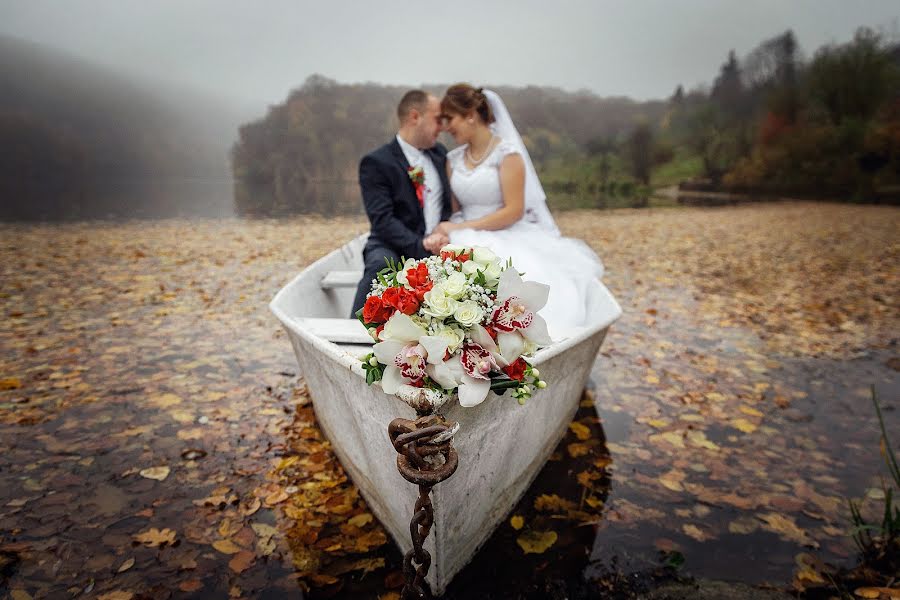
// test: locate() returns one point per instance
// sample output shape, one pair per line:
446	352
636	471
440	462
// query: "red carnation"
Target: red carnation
375	311
408	302
401	299
516	370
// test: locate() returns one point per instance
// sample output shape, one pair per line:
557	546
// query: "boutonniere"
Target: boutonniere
417	176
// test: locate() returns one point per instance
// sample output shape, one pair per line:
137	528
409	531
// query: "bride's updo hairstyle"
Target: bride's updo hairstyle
463	99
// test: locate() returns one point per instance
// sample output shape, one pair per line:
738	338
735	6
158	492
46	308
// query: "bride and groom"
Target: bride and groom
485	192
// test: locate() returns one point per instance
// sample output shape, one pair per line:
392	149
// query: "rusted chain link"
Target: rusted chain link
425	457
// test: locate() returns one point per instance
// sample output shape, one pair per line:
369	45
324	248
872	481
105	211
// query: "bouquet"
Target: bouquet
457	322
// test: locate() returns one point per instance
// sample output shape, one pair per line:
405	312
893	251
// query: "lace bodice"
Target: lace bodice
478	189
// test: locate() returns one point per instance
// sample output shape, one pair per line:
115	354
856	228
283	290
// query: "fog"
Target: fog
252	54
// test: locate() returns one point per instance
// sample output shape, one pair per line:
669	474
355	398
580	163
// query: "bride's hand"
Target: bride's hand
445	227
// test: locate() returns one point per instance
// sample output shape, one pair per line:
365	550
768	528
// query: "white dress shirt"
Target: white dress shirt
433	188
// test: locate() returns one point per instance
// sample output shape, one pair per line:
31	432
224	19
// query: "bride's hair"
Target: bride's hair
463	99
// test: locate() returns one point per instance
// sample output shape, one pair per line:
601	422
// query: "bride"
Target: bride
498	202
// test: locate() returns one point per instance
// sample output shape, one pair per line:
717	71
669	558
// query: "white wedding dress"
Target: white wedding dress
567	265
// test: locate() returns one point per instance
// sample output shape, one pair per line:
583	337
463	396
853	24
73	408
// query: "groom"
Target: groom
401	207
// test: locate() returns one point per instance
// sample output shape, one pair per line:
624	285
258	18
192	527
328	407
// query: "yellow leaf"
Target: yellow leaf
154	537
787	529
658	423
715	397
750	411
157	473
126	565
517	522
698	438
536	542
673	437
10	383
276	497
361	520
226	546
20	595
165	400
116	595
553	503
182	416
743	425
577	449
743	525
581	431
867	592
694	532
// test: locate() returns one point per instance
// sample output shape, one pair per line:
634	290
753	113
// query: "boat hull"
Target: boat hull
501	445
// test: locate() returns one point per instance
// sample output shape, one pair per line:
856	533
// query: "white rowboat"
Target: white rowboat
501	445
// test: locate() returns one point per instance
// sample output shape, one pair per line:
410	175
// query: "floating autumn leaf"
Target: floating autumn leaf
10	383
360	520
116	595
577	449
226	547
749	410
154	537
743	525
157	473
877	592
191	585
695	532
553	503
242	561
125	565
276	498
743	425
250	507
517	522
165	400
536	542
581	431
786	528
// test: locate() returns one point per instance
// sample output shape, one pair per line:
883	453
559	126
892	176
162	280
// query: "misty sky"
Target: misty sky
255	52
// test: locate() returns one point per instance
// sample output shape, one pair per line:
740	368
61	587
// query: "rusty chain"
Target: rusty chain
425	458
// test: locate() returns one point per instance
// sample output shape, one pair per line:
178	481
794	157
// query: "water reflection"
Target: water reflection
298	197
116	199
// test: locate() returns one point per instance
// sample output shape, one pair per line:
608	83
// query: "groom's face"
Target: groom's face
429	125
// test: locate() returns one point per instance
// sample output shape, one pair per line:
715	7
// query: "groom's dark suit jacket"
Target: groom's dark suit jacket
397	221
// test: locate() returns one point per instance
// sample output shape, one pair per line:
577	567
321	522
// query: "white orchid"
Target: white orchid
405	351
517	318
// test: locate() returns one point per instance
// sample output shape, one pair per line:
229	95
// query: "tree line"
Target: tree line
771	121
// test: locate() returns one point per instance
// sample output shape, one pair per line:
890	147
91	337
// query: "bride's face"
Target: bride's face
459	126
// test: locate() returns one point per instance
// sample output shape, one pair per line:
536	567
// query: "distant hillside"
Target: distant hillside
322	129
68	126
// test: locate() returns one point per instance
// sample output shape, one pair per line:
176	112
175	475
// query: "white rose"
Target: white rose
454	285
438	304
453	335
492	273
484	256
470	267
468	313
454	248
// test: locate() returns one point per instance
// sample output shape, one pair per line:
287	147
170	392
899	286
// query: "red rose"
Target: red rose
375	311
516	370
